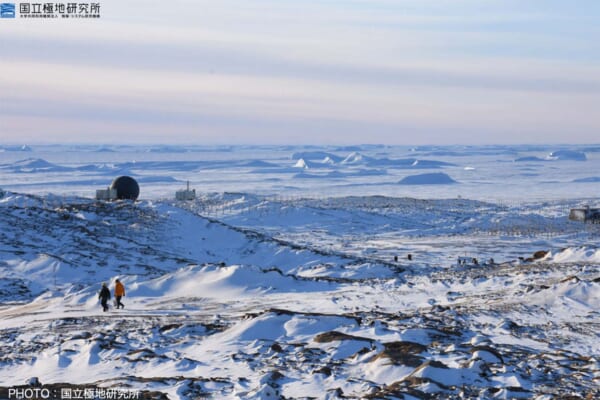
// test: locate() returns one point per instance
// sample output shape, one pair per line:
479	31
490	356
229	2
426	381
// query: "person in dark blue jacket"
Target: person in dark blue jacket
104	296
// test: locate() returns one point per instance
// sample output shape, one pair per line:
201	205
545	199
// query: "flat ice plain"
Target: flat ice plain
288	276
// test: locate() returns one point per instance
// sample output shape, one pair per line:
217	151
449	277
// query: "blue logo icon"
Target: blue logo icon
7	10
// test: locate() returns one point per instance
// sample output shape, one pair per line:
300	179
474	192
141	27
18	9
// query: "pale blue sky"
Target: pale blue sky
310	72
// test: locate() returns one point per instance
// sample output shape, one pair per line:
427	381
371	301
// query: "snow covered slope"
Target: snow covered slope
245	296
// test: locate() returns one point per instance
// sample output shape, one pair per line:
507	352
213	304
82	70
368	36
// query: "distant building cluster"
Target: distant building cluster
126	188
185	194
587	215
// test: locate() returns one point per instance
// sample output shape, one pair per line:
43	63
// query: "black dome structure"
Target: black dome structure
127	188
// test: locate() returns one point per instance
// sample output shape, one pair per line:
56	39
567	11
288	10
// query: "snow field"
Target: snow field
247	295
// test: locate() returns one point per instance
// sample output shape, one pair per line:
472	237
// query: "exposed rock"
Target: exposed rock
33	381
276	347
332	336
323	370
573	278
402	353
169	327
540	254
433	364
274	376
337	392
402	388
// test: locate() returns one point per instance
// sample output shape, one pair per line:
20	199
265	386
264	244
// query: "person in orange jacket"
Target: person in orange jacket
119	293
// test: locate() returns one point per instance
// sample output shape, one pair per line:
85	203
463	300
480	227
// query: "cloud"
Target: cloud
249	67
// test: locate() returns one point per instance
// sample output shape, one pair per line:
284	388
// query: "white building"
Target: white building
186	194
588	215
107	194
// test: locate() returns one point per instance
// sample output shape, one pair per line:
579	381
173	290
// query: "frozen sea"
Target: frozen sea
491	173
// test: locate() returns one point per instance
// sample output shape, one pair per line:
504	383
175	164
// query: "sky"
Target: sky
319	72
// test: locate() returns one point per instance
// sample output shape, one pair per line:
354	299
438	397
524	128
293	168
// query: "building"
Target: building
186	194
121	188
587	215
107	194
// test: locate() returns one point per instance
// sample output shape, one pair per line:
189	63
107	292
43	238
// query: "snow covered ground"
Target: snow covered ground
289	276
